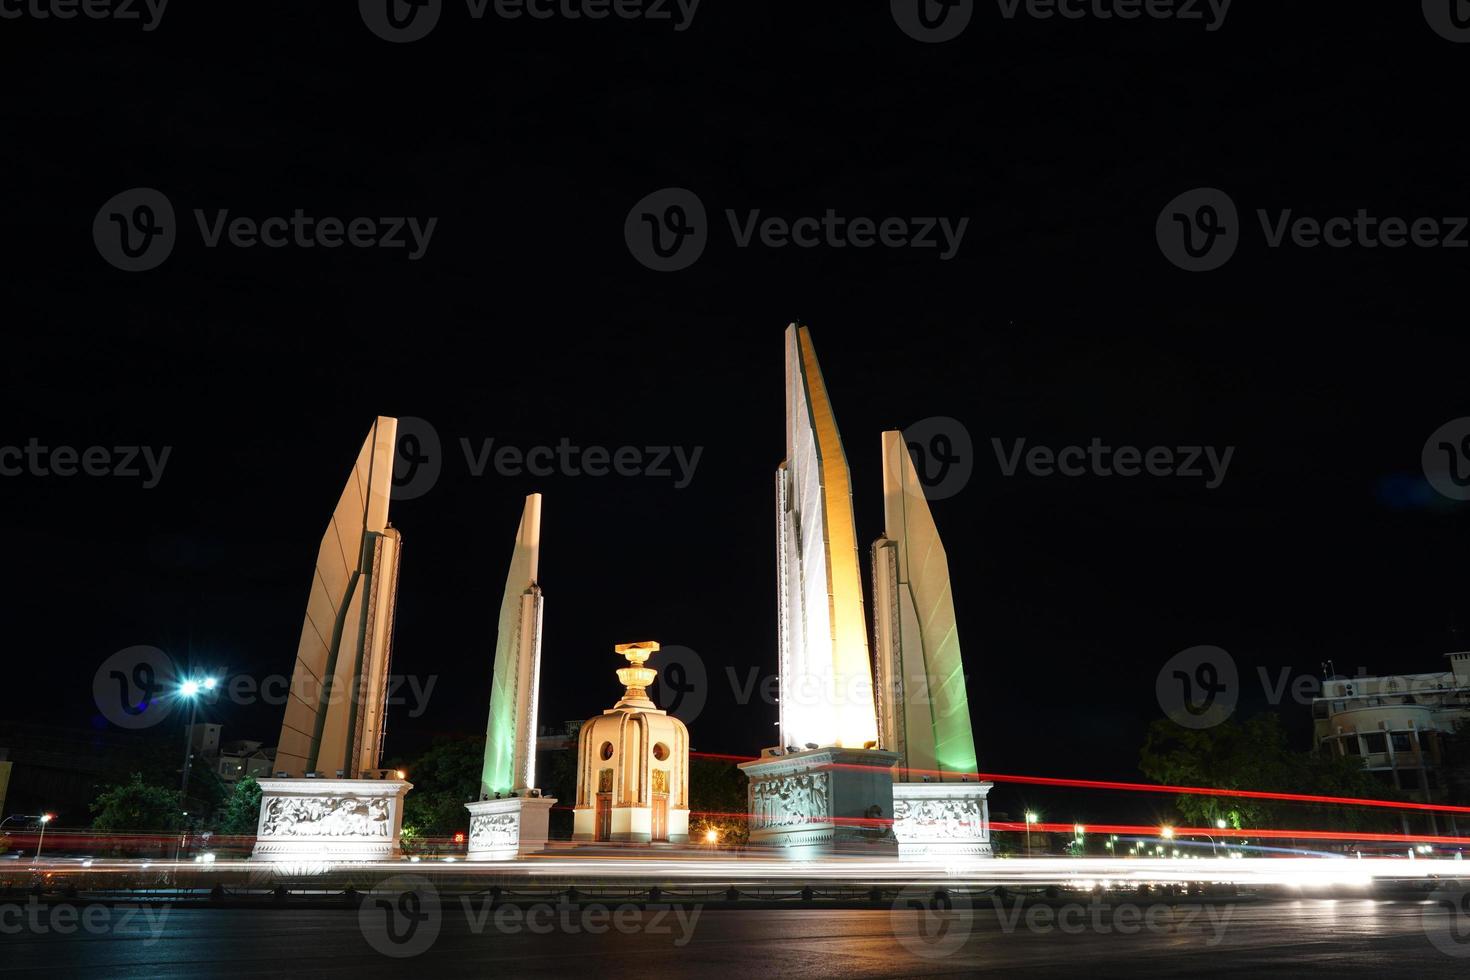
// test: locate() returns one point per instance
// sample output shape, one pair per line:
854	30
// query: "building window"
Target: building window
660	752
1376	742
1401	742
1350	745
606	751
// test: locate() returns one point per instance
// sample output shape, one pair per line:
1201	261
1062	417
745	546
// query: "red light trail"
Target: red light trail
1135	830
1157	788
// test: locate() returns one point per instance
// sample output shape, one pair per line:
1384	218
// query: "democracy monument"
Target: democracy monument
876	752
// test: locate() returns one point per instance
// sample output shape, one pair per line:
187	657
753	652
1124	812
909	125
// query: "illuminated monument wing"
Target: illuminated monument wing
511	817
826	784
348	634
335	710
826	681
939	805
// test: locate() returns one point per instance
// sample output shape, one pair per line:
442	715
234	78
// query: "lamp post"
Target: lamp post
45	819
190	689
1030	819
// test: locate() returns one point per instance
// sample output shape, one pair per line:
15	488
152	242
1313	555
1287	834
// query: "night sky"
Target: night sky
528	321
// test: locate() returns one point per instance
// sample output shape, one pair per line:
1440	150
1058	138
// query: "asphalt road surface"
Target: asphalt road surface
1345	937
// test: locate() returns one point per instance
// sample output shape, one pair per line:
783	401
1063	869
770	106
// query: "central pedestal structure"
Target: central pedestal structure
503	830
330	819
820	801
633	765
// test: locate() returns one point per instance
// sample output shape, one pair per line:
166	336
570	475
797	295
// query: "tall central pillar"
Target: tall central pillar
827	784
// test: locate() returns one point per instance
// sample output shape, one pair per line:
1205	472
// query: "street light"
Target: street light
45	819
190	689
1031	818
1220	823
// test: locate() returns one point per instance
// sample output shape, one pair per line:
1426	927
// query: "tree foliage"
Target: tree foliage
136	806
444	779
717	801
241	813
1255	755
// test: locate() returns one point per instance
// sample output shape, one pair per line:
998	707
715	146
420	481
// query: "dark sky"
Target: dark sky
528	321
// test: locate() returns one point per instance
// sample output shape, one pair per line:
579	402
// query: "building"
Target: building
1396	724
244	757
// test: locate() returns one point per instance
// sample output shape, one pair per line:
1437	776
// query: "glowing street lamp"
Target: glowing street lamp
1220	824
45	818
1166	832
1031	818
712	837
191	689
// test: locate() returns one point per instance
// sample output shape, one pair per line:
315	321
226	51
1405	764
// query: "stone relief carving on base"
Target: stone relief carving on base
790	801
958	819
327	816
492	830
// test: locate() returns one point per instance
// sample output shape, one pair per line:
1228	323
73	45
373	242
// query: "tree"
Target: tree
444	778
1255	755
138	807
241	815
717	801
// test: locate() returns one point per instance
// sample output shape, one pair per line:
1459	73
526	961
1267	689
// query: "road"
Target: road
1344	937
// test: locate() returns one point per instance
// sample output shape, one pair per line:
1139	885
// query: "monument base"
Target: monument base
821	801
942	820
630	825
503	830
330	819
